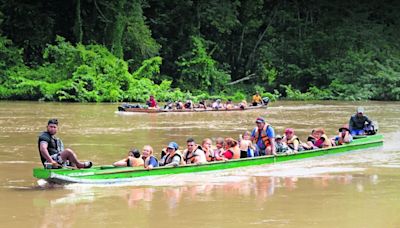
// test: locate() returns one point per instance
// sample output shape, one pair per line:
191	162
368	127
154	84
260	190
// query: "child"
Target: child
220	144
280	146
245	145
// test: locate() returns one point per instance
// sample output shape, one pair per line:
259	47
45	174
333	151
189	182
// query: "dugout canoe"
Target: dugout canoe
132	108
110	174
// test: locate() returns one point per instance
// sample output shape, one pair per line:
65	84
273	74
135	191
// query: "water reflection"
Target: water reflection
256	188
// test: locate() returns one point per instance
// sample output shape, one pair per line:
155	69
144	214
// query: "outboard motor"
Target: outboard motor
372	128
265	100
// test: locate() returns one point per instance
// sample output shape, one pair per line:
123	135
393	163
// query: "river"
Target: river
358	189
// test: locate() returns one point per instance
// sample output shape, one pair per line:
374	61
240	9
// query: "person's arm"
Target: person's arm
152	163
368	120
351	123
123	162
45	153
271	136
175	161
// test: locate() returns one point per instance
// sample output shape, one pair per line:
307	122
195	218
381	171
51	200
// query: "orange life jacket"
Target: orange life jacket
264	136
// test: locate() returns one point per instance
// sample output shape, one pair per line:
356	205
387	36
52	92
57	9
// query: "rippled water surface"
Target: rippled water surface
358	189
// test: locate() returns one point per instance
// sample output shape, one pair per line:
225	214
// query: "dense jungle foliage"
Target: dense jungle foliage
103	50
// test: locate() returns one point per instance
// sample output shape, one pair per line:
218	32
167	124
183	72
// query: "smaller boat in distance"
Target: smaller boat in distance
145	109
135	108
110	174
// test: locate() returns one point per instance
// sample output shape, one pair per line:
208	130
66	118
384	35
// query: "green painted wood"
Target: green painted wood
109	174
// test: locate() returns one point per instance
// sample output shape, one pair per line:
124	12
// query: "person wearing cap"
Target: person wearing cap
150	161
193	153
344	136
263	136
292	141
216	104
358	122
281	147
132	160
52	152
256	100
173	157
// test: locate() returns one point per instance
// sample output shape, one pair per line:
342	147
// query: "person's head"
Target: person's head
278	138
230	142
246	135
360	111
257	93
134	153
191	144
318	133
52	126
344	128
220	142
260	122
289	132
147	151
172	147
206	143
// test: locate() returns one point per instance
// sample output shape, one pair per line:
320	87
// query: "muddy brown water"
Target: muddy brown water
358	189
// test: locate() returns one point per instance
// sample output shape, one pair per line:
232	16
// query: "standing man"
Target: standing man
263	136
358	122
51	149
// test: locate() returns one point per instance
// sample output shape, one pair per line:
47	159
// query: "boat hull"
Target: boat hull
110	174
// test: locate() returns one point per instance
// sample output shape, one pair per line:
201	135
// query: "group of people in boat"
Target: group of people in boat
260	141
203	104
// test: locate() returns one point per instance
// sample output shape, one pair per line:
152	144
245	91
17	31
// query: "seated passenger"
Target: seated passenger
132	160
218	152
188	104
169	105
344	135
232	150
246	146
151	102
309	145
229	104
320	140
149	160
179	105
173	156
217	104
203	104
206	147
193	154
281	147
292	141
243	104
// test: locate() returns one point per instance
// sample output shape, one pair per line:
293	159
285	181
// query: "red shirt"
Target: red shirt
152	103
228	154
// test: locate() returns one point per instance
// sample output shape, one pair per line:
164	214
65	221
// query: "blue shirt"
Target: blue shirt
153	161
260	143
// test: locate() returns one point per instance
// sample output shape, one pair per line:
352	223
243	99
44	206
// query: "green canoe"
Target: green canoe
110	174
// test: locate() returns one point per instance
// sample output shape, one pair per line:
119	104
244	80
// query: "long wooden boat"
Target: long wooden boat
110	174
132	108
